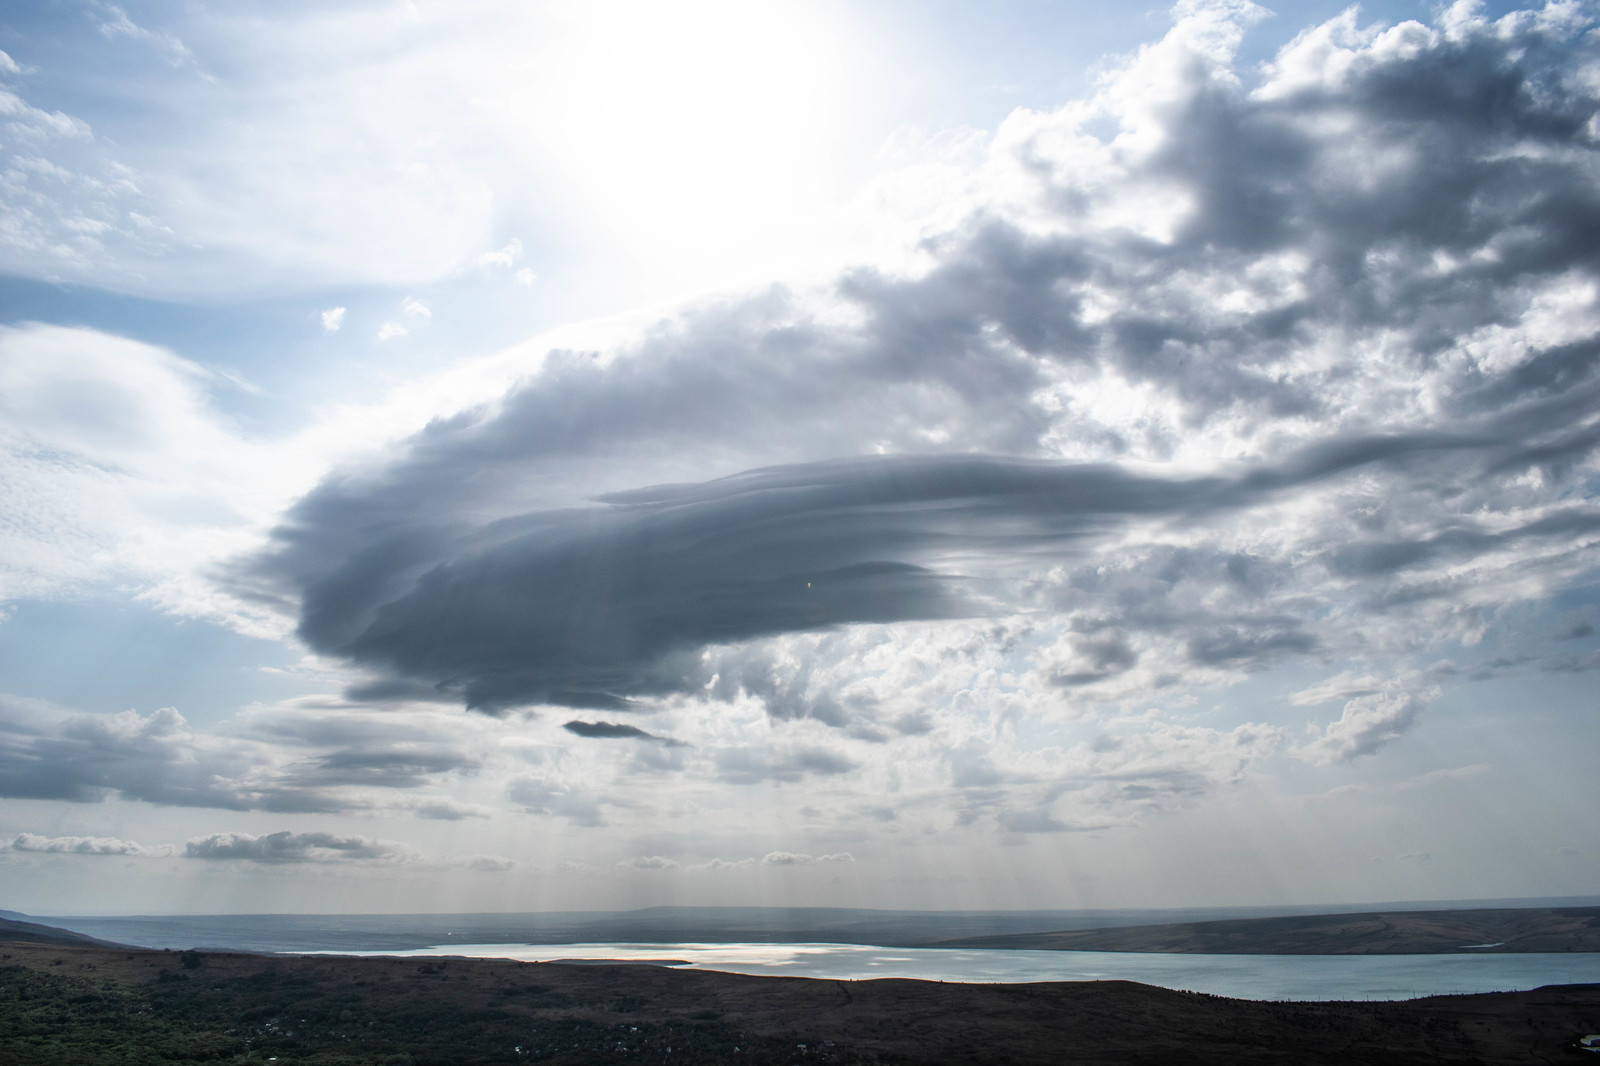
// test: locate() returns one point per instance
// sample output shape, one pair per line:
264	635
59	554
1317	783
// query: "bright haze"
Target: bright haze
912	455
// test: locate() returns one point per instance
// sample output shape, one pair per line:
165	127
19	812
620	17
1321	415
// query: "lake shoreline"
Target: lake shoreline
1262	978
224	1007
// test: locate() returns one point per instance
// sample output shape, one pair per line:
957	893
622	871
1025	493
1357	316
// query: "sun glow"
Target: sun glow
700	136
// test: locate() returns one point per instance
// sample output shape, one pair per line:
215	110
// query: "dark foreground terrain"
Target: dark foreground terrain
85	1005
1476	931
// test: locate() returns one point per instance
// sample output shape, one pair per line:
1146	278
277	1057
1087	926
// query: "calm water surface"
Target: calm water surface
1288	977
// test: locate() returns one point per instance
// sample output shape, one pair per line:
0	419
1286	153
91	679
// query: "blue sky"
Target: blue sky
880	454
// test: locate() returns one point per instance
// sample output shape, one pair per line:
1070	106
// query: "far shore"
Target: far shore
1474	931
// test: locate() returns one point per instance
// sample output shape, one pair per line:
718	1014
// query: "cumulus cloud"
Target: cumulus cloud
793	858
86	846
287	847
1105	782
332	319
1367	724
49	752
649	862
1218	372
504	257
46	753
488	864
724	864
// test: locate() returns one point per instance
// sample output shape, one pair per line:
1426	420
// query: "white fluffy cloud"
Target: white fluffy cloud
503	258
86	846
791	858
1368	723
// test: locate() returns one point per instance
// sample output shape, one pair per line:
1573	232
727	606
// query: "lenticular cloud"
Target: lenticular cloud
1219	369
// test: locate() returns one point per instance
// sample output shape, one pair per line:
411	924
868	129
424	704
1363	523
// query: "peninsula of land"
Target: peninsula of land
1465	932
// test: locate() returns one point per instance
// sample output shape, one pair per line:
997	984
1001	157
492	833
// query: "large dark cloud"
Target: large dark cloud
591	607
1351	305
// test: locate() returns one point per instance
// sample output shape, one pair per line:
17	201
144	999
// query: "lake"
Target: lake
1265	977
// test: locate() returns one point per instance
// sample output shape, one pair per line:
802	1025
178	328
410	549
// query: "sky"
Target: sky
508	457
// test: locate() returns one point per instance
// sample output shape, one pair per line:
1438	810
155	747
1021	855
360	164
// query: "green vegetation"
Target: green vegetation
50	1019
184	1016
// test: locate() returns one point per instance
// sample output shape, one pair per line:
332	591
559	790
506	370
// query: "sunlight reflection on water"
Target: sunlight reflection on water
1282	977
